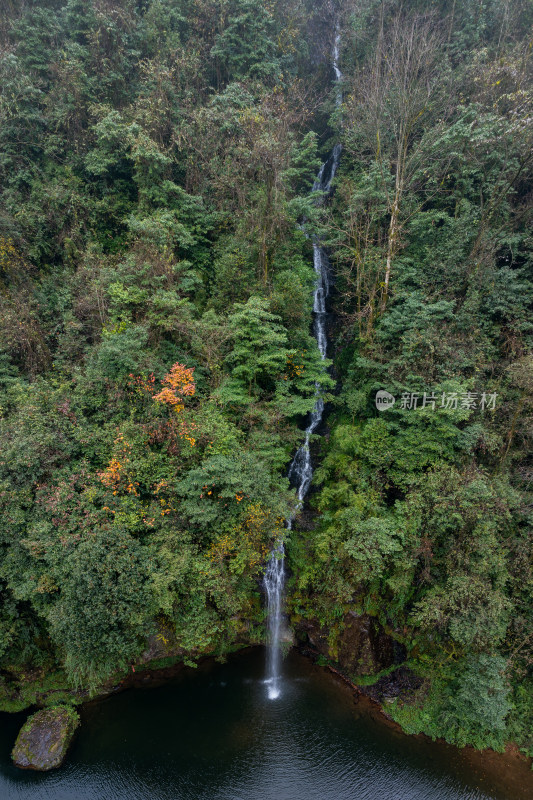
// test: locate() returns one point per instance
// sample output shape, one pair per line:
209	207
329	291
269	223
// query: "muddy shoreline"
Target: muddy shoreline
510	769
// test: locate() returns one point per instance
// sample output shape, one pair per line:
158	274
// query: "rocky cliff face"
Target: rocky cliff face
362	647
362	650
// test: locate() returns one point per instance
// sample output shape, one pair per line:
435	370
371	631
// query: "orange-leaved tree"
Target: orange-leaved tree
177	384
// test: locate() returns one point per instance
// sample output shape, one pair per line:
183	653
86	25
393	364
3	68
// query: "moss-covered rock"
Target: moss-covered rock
44	738
360	645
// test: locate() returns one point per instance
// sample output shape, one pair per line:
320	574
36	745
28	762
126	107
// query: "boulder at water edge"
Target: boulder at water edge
44	738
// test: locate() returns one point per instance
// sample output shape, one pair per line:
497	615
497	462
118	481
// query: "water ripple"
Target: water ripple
212	735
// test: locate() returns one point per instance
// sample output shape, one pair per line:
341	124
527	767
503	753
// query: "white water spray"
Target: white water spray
301	469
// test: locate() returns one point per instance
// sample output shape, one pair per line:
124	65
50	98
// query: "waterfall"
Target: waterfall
301	469
274	581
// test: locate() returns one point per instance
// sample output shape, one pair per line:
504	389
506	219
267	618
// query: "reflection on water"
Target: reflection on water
211	735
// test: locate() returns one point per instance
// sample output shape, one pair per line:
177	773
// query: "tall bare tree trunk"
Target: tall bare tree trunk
392	242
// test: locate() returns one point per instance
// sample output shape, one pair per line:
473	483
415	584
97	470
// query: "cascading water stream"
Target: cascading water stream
301	469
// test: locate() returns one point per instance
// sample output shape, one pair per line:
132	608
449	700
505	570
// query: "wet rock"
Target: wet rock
363	647
161	645
315	635
44	738
402	682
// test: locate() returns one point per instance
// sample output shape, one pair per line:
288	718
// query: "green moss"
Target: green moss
159	663
370	680
44	738
62	698
12	706
45	689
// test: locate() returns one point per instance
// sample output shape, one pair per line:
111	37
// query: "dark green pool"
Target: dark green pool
211	734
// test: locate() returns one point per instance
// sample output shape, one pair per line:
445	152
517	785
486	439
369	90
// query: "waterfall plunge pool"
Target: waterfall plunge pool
211	734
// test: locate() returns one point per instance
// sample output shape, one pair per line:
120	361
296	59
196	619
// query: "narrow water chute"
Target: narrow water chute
301	469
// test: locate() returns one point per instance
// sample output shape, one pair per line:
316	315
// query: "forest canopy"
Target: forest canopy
157	361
